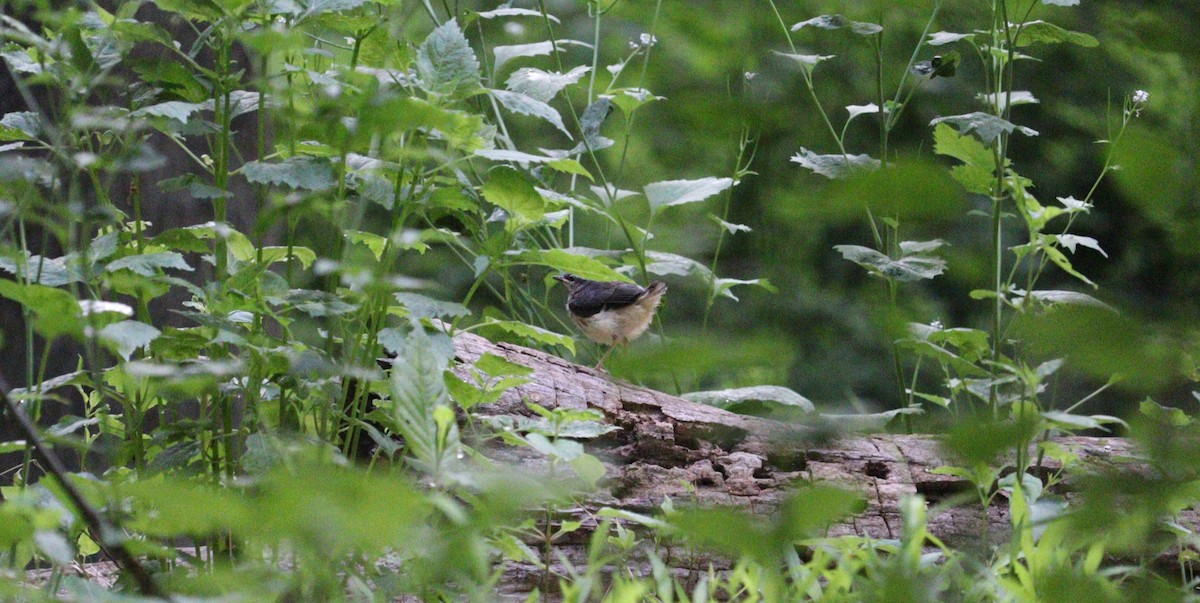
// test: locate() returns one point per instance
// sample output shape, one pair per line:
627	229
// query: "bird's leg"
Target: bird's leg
606	353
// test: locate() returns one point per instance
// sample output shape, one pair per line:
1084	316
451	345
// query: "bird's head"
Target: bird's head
570	280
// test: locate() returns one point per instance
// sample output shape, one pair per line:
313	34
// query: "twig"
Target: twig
107	535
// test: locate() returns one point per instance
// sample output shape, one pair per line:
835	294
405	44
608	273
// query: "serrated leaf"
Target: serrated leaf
543	85
527	105
52	272
987	126
420	306
55	312
148	264
678	192
301	172
725	398
509	190
537	334
418	389
579	265
376	243
664	263
129	335
317	304
176	110
279	253
835	166
838	22
906	269
1043	32
445	62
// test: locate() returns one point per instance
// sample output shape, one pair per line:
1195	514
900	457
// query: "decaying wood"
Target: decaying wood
668	446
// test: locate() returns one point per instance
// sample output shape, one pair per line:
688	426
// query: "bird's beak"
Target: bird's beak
561	278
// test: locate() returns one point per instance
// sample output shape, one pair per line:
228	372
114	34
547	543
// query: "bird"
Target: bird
611	312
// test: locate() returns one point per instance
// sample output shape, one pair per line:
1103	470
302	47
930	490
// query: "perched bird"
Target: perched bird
611	313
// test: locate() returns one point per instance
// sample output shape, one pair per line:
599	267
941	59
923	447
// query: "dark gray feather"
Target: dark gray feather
591	297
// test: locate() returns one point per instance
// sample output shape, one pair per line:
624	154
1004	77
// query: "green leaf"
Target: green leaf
663	263
420	306
511	191
302	172
910	267
504	54
176	110
272	254
987	126
579	265
838	22
527	105
868	422
1039	31
835	166
543	85
445	62
944	37
129	335
21	125
726	398
148	264
537	334
723	287
496	366
807	62
418	389
55	312
1054	297
678	192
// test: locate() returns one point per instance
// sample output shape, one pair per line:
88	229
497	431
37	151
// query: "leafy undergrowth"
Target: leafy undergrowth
204	401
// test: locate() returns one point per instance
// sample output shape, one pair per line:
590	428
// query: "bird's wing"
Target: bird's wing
594	297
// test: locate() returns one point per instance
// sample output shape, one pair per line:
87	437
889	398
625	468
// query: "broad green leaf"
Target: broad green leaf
579	265
418	389
511	191
176	110
21	125
562	164
663	263
1039	31
678	192
149	264
987	126
445	62
835	166
504	54
420	306
527	105
1052	297
537	334
497	366
55	312
543	85
302	172
129	335
906	269
52	272
726	398
272	254
317	304
1001	101
838	22
978	172
376	243
1060	259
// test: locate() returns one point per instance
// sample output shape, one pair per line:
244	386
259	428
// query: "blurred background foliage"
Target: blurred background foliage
827	332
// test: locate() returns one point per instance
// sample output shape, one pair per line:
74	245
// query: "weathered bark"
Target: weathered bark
668	446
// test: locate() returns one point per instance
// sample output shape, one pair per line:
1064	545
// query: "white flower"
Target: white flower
936	325
750	75
1141	97
647	40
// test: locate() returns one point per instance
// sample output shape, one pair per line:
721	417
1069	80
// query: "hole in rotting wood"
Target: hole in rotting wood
877	469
